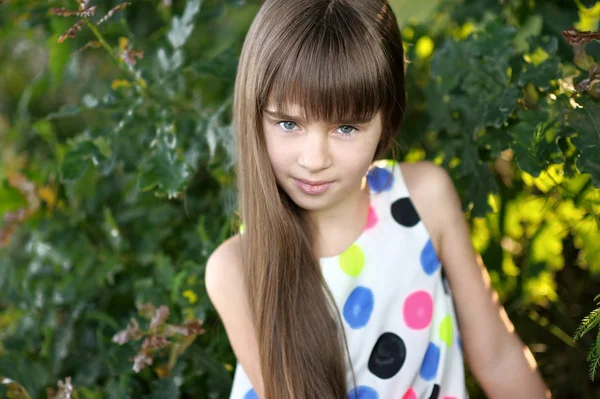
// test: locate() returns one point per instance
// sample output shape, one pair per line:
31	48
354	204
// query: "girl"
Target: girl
335	289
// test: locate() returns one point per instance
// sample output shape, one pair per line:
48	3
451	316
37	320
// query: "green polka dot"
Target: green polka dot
446	330
352	260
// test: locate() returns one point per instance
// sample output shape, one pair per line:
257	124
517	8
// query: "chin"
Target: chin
312	203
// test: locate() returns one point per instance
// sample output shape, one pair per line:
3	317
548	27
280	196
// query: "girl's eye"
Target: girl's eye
287	125
350	130
346	130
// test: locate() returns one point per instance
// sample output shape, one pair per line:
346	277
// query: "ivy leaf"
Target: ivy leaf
182	28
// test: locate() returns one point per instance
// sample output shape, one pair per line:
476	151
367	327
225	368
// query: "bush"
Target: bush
116	179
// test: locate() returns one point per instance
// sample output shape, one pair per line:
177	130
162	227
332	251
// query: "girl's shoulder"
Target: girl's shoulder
223	277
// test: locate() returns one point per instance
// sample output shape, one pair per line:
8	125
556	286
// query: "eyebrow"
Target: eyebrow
279	115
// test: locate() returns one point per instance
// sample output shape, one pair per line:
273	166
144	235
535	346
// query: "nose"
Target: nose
314	154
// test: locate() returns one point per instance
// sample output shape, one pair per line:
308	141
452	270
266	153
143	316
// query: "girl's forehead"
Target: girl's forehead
298	113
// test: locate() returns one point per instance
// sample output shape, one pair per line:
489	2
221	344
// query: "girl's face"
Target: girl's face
319	164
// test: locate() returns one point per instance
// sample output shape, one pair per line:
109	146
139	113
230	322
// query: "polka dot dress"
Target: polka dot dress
396	304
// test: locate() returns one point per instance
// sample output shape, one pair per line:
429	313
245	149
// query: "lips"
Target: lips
314	183
313	187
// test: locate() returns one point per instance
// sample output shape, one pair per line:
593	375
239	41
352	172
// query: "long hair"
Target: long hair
338	60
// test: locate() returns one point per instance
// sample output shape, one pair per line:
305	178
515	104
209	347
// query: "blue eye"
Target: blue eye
288	123
346	130
348	133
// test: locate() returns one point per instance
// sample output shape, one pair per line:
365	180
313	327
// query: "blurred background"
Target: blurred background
116	181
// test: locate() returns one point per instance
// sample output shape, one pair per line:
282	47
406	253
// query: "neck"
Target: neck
338	226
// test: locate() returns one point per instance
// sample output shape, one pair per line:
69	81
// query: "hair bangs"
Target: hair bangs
332	74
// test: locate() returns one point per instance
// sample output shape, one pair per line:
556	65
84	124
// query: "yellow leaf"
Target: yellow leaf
589	18
408	33
424	47
414	155
118	83
123	43
162	370
480	234
190	296
547	247
48	195
541	289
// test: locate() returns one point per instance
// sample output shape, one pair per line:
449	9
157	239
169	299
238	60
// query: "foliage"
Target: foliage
116	178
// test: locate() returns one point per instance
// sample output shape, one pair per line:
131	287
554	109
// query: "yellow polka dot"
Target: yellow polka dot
446	330
352	260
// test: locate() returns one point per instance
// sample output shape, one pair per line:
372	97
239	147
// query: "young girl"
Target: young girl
344	281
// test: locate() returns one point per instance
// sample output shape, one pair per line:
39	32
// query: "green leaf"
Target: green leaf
59	54
78	158
12	199
497	112
532	150
182	28
587	324
64	111
478	180
542	75
496	140
586	121
163	389
446	67
166	170
169	64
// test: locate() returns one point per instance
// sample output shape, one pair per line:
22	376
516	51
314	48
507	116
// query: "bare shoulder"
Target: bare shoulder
433	195
224	279
223	274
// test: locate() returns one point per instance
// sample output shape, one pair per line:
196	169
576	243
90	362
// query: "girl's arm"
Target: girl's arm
503	365
225	288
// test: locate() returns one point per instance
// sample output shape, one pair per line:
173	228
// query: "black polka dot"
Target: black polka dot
436	392
404	212
388	356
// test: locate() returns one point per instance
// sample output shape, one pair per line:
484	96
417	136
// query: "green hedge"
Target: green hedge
116	180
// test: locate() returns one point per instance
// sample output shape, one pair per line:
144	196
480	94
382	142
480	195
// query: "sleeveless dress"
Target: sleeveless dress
395	302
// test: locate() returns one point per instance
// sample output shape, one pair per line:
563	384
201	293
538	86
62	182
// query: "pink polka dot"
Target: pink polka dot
418	310
450	397
410	394
372	219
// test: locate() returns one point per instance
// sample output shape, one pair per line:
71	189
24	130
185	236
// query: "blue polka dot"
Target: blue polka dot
251	394
379	179
358	307
429	259
459	342
363	392
431	362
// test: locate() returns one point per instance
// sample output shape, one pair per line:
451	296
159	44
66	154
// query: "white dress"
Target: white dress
395	302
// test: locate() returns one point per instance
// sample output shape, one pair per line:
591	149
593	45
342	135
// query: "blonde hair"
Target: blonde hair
338	60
